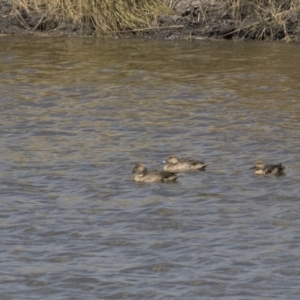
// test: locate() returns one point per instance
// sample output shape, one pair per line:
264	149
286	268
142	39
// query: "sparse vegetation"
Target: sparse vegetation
266	19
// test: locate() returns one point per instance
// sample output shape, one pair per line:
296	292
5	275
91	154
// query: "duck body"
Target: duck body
173	164
142	175
262	169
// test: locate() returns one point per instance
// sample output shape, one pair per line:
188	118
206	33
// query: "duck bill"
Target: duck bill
252	168
163	162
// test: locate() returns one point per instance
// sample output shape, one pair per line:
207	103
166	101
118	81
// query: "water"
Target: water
77	114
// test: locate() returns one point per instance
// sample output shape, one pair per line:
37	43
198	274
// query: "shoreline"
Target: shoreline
203	19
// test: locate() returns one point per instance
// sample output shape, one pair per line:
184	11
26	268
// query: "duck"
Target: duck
143	175
173	164
262	169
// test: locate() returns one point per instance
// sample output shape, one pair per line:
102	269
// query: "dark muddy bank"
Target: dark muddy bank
191	19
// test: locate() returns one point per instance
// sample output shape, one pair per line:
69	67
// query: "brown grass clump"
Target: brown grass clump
102	16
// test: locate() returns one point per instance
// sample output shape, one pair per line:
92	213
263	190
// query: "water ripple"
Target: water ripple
77	114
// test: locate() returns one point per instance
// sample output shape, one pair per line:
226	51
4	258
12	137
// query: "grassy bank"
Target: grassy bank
257	19
102	16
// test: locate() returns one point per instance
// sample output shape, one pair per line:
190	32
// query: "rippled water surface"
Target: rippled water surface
77	114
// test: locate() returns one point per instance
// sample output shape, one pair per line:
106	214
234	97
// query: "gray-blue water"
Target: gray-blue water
75	117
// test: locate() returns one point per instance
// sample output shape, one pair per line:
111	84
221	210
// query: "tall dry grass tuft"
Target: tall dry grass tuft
103	16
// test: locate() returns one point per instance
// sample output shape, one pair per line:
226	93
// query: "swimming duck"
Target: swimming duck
142	175
262	169
173	164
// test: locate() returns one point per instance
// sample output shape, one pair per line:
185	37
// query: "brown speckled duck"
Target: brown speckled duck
173	164
143	175
262	169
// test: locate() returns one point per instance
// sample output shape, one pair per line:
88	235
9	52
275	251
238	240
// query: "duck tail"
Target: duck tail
282	167
206	164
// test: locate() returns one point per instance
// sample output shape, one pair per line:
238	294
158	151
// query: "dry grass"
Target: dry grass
103	16
266	19
259	19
